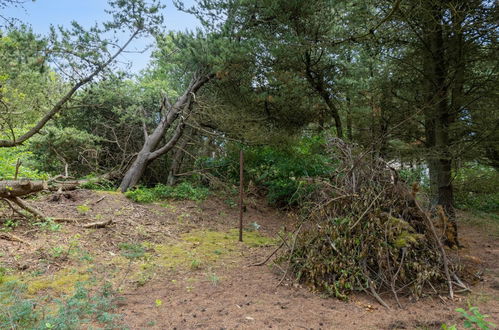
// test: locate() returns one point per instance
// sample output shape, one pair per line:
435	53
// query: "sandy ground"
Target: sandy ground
230	293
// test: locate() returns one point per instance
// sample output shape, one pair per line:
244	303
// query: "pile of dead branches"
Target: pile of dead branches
364	229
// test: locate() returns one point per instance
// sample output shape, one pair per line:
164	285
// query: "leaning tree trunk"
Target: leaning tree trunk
150	150
177	159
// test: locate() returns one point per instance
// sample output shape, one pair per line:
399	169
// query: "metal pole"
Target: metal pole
241	193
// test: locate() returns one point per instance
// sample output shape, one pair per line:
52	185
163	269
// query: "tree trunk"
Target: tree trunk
15	188
150	150
135	172
438	116
177	159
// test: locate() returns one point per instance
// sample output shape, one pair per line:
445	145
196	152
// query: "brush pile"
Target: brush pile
364	229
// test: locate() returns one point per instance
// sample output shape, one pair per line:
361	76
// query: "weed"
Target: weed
49	224
473	319
10	223
83	209
253	226
196	264
214	279
132	250
57	251
230	203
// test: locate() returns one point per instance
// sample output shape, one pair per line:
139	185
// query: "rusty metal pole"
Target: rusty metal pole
241	193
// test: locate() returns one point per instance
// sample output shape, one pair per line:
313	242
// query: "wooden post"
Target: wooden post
241	193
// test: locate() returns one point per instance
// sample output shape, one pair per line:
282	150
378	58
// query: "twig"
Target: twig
394	278
14	238
440	246
291	253
98	201
270	256
18	164
98	224
376	295
367	210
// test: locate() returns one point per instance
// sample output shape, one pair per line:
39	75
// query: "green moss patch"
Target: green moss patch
64	281
195	250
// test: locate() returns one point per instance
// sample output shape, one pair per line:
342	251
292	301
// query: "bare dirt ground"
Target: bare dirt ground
194	274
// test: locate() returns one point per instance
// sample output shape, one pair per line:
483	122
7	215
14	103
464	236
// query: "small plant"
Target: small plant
57	251
10	223
79	311
83	209
196	264
131	250
49	224
214	279
473	320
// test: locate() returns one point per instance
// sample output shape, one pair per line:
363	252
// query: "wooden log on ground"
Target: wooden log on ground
16	188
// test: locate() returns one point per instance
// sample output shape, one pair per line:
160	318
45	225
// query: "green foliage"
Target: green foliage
55	147
473	319
476	188
416	174
81	310
8	161
184	190
132	251
283	173
82	208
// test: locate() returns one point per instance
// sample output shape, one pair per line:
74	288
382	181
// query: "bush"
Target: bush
55	147
184	190
476	188
280	171
8	161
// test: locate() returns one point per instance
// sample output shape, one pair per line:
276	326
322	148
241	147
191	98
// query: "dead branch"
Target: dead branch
98	224
440	247
14	238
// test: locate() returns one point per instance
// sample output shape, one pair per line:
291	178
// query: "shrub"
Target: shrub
8	161
184	190
476	188
280	172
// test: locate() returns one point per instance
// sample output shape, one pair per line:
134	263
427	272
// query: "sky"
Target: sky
40	14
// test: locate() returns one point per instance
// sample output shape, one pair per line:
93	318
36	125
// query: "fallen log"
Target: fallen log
16	188
23	187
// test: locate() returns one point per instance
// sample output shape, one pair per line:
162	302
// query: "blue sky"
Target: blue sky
42	13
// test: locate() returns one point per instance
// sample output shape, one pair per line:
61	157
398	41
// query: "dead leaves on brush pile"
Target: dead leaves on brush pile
364	230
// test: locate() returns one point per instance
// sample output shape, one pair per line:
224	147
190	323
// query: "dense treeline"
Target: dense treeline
411	82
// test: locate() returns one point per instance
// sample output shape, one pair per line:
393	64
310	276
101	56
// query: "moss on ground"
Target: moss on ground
64	281
195	250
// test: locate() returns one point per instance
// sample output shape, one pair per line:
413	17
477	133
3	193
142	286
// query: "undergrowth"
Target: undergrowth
184	190
80	310
476	188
